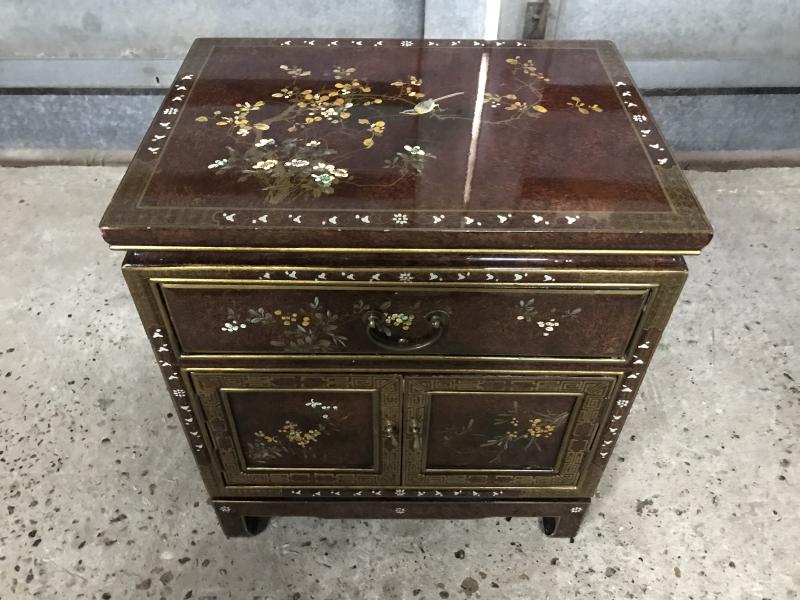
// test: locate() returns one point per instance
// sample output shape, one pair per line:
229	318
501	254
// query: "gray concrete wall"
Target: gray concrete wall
677	43
674	29
158	29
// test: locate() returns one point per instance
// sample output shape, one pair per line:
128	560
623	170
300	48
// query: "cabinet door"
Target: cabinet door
320	430
532	431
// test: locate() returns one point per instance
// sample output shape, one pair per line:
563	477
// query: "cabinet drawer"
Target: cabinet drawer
252	318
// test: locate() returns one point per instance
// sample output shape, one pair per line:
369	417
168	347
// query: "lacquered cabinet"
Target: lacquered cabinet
403	278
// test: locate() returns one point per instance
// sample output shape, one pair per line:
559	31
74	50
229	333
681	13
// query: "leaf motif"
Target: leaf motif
368	143
201	119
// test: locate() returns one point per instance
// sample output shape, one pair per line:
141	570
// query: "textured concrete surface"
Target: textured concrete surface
99	499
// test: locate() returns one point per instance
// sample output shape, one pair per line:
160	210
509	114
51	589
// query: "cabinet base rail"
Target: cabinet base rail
246	518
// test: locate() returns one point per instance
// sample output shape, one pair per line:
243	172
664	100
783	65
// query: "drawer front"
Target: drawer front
532	431
303	430
246	317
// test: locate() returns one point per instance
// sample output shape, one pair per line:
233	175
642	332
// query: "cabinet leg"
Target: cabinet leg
564	526
235	525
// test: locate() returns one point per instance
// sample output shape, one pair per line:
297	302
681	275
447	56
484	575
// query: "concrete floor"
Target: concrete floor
100	499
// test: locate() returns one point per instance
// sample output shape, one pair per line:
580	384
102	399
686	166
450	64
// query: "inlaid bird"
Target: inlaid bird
426	106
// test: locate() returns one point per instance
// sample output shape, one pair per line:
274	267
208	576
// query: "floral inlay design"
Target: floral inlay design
507	432
303	162
581	106
292	439
547	322
291	154
526	99
311	328
315	327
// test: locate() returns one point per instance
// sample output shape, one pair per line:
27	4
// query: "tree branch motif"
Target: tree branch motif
304	163
506	432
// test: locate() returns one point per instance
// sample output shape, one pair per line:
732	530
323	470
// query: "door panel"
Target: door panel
273	429
501	431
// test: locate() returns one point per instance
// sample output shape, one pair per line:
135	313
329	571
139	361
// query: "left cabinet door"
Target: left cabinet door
293	430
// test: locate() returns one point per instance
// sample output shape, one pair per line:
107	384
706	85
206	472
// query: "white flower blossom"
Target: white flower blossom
312	143
232	326
296	162
264	142
265	165
415	150
242	131
324	179
218	163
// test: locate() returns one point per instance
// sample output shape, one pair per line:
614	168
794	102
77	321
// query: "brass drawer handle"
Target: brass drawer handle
382	338
390	433
415	431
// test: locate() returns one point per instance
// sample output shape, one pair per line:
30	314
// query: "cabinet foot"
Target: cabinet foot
565	526
236	525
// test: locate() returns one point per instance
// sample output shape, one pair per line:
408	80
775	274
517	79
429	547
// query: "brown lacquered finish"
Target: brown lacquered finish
403	279
427	145
226	318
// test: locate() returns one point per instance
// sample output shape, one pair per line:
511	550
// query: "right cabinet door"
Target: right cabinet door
502	431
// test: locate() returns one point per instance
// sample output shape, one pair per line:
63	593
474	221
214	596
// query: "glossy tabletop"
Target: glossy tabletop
302	143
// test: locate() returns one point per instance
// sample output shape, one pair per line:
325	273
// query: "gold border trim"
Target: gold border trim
189	370
533	251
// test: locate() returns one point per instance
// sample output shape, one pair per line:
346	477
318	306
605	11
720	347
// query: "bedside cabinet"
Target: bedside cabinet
403	279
